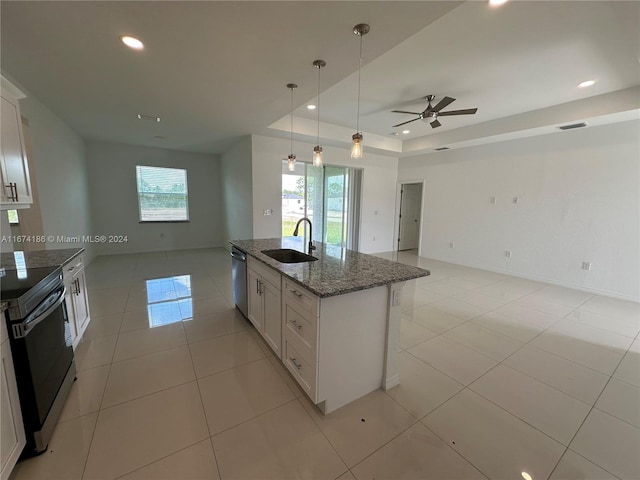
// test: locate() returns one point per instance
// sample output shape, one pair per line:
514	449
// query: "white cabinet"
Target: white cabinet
77	300
12	436
300	325
334	347
14	169
265	310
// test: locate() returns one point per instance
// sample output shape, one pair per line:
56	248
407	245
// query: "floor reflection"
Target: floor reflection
169	300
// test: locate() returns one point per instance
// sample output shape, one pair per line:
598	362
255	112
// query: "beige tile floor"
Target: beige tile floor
499	376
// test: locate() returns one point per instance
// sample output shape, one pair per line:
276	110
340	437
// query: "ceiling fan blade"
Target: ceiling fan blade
404	123
468	111
443	103
435	123
404	111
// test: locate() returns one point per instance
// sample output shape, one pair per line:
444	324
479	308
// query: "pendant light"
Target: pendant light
291	159
356	149
317	150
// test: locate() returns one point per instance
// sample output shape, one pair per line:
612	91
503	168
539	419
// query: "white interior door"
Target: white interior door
410	210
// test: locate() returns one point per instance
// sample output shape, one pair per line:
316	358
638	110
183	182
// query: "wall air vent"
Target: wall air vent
442	148
152	118
572	126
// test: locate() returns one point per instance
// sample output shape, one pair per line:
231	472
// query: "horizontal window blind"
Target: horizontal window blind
162	194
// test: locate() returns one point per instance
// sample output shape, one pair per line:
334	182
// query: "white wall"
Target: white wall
60	168
378	189
114	200
235	167
579	200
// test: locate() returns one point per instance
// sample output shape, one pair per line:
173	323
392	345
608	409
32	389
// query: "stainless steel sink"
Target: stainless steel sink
287	255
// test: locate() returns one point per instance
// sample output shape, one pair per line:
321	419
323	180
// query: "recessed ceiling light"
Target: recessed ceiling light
406	131
132	42
497	3
311	107
526	476
586	83
395	134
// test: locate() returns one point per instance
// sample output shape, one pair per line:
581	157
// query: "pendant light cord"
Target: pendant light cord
318	102
291	144
359	68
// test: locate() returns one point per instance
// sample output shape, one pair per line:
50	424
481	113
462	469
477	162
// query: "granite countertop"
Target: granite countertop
337	270
40	258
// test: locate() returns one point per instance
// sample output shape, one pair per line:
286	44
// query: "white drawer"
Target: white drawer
304	326
73	266
302	298
303	372
267	273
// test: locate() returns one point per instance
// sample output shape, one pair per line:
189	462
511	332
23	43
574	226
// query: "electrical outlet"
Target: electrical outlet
586	266
268	211
492	200
374	238
516	199
397	298
507	253
452	245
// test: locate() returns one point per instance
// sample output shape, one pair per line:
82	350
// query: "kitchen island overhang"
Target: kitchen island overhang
347	344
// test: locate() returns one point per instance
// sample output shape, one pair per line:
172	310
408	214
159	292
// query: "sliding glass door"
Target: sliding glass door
329	196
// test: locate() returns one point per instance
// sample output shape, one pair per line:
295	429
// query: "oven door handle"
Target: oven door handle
21	330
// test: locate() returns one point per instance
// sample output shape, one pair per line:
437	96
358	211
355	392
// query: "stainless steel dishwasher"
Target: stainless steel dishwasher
239	273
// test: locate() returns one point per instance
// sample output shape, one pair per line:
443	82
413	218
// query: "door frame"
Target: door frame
396	217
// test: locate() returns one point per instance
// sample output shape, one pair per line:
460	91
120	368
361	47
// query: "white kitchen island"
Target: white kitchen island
334	322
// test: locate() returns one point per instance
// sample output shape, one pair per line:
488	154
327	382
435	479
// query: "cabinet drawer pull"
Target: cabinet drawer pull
296	324
13	192
296	293
296	364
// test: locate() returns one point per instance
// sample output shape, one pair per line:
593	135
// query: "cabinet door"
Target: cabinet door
81	302
272	317
255	299
12	437
15	169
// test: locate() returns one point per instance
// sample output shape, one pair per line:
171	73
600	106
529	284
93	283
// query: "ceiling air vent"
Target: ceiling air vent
572	126
442	148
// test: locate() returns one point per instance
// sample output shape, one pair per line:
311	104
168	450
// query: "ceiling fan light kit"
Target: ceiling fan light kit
431	114
356	148
317	150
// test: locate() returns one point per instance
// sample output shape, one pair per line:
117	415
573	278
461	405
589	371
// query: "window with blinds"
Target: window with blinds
162	194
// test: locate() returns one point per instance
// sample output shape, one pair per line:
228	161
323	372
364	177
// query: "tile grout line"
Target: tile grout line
419	421
500	407
300	400
589	413
204	410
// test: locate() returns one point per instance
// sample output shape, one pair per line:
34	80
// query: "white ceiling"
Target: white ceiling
217	70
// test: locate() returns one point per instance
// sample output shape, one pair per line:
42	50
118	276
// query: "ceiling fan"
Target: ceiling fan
432	113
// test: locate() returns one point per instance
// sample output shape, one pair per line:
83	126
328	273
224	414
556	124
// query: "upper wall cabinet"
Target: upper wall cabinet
14	169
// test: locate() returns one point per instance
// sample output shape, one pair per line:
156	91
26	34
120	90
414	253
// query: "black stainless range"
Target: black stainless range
40	339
